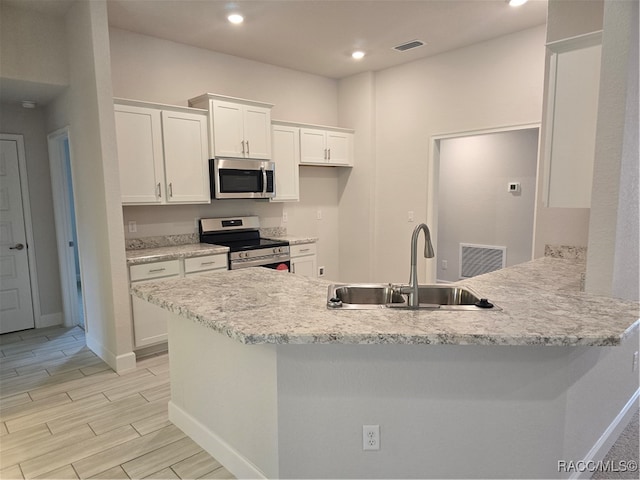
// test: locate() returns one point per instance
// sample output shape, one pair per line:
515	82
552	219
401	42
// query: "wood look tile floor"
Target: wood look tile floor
65	414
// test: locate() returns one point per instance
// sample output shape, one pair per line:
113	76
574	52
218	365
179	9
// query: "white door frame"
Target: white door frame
62	215
28	226
433	182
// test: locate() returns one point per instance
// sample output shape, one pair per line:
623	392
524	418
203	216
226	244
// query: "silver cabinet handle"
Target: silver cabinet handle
157	270
204	264
328	154
17	246
242	142
248	151
159	190
325	154
170	190
302	250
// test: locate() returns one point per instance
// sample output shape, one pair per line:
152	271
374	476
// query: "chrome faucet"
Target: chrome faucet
412	288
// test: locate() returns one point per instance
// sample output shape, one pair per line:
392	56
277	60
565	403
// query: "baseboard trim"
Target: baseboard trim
49	320
610	435
230	458
119	363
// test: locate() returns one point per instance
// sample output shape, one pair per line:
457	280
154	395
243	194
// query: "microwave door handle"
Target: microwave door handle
264	181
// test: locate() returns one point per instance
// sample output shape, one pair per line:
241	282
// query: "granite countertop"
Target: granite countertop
158	254
540	300
293	240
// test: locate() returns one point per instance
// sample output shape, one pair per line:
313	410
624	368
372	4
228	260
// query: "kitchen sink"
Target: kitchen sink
430	297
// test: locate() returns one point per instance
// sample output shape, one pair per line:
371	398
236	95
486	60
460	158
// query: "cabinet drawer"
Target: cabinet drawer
208	262
302	250
149	271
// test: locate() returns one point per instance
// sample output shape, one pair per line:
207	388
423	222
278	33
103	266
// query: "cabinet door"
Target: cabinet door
304	266
139	144
313	146
571	128
257	132
185	156
228	130
286	155
339	148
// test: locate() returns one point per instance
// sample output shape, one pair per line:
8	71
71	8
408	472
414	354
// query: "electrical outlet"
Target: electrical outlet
319	214
285	217
371	437
321	271
410	216
634	367
445	264
133	227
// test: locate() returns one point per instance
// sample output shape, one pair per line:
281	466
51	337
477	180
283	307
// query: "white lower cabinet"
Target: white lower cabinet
303	259
149	324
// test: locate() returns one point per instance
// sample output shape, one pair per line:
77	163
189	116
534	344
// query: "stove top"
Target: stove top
248	244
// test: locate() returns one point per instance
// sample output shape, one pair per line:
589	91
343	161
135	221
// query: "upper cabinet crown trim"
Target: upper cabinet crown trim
311	125
579	41
163	106
199	100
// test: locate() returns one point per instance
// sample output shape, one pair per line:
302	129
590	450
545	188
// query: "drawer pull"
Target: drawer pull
156	270
302	250
203	264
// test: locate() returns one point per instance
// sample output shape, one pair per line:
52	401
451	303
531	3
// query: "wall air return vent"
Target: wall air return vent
409	45
479	259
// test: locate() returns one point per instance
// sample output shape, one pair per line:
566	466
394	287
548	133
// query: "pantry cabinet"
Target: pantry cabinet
162	153
238	128
326	146
286	155
572	111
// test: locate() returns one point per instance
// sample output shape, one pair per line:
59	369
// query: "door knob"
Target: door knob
18	246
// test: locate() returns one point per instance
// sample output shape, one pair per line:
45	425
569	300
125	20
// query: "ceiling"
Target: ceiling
318	36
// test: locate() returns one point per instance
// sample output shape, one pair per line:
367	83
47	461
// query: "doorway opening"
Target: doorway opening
482	201
66	233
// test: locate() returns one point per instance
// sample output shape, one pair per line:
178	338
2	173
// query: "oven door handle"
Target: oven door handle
264	181
259	262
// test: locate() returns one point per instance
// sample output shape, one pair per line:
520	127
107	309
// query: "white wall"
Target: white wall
152	69
32	47
31	125
612	261
492	84
87	107
356	100
474	205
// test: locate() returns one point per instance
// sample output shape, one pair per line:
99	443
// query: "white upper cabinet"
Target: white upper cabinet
162	153
139	142
237	128
572	110
286	156
324	146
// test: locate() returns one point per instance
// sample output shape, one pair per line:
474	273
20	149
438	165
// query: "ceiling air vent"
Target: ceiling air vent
409	45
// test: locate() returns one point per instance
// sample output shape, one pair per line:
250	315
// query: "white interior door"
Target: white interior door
16	308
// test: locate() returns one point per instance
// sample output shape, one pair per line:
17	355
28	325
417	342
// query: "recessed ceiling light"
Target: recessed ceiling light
235	18
28	104
358	55
516	3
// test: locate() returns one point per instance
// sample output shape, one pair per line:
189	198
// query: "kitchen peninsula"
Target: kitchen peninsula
273	384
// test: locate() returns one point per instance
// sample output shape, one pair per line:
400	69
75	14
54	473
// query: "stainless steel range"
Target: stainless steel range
246	247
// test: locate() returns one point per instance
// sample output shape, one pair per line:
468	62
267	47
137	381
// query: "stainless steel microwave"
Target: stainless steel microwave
241	178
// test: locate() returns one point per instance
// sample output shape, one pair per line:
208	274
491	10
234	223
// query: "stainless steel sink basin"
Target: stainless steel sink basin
372	296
